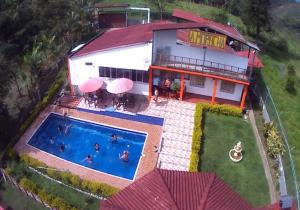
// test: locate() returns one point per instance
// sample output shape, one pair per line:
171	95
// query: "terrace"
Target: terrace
202	66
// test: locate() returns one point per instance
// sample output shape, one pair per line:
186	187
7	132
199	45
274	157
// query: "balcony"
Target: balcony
203	66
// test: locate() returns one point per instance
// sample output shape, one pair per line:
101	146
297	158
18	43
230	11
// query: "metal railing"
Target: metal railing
203	66
289	168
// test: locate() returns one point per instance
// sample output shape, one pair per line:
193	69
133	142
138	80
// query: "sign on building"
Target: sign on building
207	39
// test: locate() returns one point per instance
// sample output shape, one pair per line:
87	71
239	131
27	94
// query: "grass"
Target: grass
199	9
16	200
221	133
71	196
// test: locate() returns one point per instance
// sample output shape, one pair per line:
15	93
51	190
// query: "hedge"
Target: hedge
101	189
198	132
196	139
222	109
51	200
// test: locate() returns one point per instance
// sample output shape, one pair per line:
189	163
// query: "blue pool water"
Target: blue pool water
79	141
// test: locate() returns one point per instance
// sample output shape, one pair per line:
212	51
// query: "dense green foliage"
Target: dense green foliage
35	35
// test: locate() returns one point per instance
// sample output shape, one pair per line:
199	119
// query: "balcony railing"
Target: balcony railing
203	66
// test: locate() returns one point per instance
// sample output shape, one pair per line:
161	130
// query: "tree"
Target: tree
161	5
256	15
291	79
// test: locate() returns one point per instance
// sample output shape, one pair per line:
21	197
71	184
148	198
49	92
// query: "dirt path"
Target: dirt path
263	156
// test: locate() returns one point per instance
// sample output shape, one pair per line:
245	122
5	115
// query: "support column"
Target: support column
244	96
69	79
213	97
150	84
181	86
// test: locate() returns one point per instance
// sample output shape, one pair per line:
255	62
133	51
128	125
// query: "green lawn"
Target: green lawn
221	133
17	200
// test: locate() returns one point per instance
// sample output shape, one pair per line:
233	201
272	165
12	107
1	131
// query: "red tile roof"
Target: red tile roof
224	29
142	33
166	189
135	34
256	63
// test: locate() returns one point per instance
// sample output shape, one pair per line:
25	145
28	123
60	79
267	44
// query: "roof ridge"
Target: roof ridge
203	200
159	171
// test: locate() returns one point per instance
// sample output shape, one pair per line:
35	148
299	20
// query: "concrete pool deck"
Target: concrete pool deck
147	163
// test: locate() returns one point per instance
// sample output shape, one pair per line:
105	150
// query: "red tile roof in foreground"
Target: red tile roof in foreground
166	189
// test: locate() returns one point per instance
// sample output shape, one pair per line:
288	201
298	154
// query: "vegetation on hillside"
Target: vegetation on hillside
35	36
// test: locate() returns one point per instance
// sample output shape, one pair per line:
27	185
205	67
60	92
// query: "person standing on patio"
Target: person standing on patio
156	95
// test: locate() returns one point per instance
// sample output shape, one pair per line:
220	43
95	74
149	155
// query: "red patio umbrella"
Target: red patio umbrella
120	85
256	63
91	85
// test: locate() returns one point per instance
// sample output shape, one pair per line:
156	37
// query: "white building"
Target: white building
204	58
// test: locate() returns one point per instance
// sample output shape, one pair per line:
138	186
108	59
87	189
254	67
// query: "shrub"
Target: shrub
32	161
69	178
75	180
274	142
291	80
55	202
222	109
28	185
196	139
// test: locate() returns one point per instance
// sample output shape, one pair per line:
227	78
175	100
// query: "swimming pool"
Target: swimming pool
79	138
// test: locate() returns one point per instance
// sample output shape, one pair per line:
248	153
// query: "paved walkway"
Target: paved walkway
175	147
263	156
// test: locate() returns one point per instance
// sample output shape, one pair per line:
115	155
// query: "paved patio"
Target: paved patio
176	142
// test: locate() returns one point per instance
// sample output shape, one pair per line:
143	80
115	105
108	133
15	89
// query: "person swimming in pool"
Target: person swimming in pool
113	138
62	147
67	128
124	156
89	159
60	129
97	147
51	139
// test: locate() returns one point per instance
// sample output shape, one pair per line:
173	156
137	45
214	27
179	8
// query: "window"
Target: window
134	75
197	81
101	71
139	76
107	72
145	77
113	72
227	87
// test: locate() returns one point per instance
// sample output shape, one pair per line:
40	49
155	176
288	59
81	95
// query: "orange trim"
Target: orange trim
244	96
213	98
69	79
181	86
199	74
150	84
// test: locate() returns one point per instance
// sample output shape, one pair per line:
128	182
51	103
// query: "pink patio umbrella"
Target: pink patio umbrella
120	85
91	85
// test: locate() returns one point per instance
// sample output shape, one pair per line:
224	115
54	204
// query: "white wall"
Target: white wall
166	41
208	90
136	57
